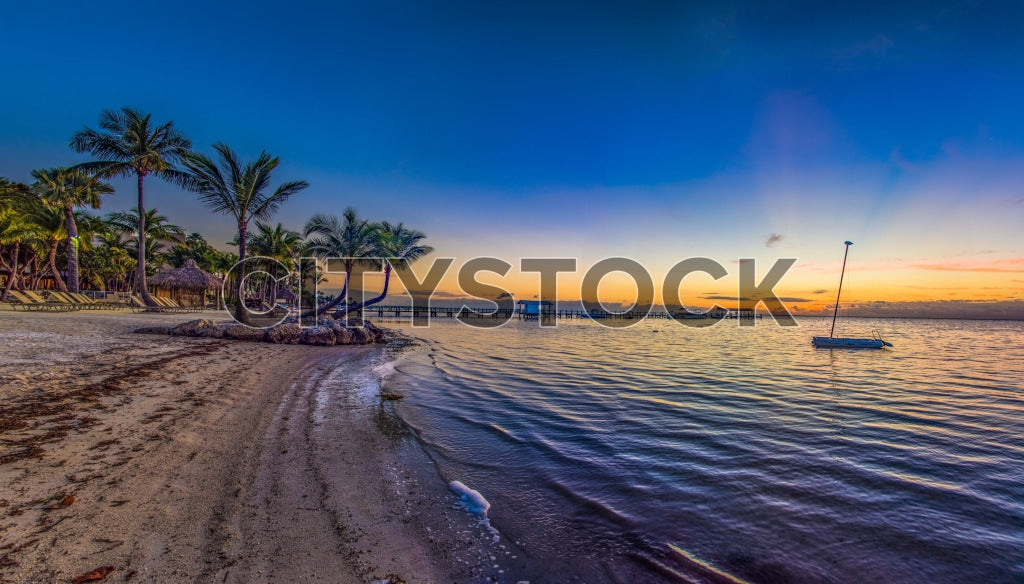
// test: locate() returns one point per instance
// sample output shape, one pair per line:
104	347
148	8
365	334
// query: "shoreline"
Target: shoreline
211	460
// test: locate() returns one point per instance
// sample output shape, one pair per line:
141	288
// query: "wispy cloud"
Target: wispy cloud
953	308
896	157
773	240
962	263
1007	265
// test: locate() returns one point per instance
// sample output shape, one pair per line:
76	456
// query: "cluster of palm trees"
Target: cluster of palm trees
38	237
122	249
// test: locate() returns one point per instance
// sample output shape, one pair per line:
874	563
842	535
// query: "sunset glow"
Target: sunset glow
551	131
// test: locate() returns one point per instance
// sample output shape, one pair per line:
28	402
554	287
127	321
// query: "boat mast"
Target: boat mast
840	291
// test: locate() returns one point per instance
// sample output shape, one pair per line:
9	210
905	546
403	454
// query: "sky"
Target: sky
655	131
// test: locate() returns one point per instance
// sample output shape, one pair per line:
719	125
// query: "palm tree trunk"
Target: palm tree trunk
69	224
372	301
241	314
14	273
140	270
52	263
337	300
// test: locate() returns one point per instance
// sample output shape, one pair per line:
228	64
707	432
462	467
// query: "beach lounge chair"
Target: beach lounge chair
137	304
162	305
167	304
52	302
32	301
86	302
175	305
18	301
66	298
91	304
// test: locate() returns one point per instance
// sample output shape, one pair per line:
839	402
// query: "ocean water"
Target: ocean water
663	453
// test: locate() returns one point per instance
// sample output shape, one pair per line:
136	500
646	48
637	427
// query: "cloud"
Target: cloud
720	297
442	294
960	309
1008	265
819	291
773	240
896	157
793	299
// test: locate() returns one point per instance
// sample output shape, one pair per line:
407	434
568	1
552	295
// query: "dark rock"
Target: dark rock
154	330
318	335
284	334
374	333
213	332
244	333
359	336
194	328
342	335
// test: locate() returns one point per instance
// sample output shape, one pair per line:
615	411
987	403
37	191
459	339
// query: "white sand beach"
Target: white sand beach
204	460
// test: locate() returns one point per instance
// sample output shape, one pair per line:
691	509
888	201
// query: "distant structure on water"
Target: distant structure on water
531	309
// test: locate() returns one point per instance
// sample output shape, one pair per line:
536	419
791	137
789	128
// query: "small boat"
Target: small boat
846	343
833	342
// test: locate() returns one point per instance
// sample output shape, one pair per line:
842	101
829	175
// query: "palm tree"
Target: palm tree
157	227
52	230
112	261
159	233
129	143
396	244
66	189
194	247
283	247
15	231
350	238
276	242
240	191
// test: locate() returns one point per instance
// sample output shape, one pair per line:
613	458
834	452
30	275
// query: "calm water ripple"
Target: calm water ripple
665	453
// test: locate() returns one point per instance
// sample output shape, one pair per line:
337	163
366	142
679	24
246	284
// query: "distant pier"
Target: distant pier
408	312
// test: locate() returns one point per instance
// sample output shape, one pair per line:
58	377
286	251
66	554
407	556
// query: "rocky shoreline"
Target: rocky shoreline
326	334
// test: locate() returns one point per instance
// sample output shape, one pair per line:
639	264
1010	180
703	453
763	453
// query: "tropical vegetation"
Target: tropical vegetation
129	143
50	235
66	189
242	191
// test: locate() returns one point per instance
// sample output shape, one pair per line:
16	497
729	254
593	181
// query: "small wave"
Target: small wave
384	369
703	568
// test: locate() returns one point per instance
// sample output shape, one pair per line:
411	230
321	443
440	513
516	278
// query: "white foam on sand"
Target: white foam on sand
472	500
475	503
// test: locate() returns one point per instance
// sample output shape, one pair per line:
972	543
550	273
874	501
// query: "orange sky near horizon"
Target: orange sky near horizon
806	288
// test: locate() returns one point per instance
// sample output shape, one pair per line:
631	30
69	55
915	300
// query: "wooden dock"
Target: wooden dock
408	312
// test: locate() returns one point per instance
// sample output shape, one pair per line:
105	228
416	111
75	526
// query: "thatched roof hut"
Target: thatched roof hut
187	284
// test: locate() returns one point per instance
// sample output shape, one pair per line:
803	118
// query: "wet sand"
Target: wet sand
212	460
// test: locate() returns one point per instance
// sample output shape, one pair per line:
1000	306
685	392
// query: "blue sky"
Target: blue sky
655	130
